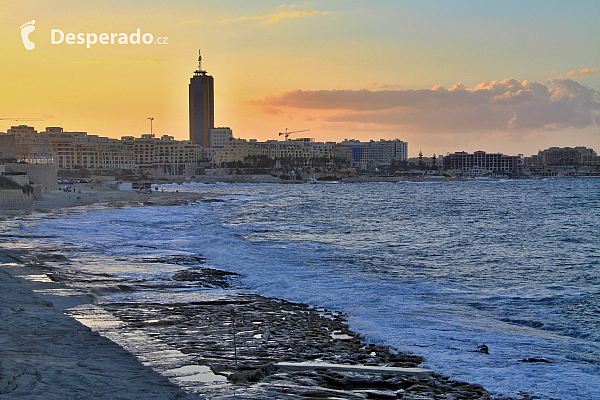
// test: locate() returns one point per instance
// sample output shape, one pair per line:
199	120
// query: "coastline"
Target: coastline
48	355
309	332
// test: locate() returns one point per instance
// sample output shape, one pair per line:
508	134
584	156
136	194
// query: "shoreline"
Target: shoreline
48	355
256	376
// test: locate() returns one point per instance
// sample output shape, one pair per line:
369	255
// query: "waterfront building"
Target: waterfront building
365	155
201	106
7	148
164	155
30	146
563	156
482	163
75	150
302	150
428	162
235	150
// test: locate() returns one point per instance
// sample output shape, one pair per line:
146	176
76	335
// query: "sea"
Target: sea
494	282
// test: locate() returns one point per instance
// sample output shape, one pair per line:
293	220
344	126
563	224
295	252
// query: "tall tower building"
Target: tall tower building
202	105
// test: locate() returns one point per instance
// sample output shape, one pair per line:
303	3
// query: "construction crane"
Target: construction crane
20	119
287	134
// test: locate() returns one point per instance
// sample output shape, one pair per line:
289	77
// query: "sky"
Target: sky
445	76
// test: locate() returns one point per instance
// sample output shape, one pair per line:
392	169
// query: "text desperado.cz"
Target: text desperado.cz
57	37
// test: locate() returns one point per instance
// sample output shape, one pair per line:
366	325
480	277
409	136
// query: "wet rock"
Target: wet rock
50	257
536	360
254	375
174	259
206	277
268	331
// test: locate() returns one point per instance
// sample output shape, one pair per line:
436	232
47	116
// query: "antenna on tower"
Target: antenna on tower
200	70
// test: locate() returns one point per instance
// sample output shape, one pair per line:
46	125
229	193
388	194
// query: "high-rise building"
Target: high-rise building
202	106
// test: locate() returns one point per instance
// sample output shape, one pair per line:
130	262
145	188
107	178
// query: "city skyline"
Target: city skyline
511	77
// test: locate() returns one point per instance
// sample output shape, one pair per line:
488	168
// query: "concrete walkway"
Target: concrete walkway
45	354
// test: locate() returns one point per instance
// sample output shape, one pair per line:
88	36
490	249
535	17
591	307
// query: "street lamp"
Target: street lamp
151	119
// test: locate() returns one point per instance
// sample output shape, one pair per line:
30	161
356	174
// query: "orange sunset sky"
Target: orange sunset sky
510	76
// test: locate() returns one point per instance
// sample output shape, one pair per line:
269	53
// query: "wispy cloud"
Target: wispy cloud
305	4
507	105
582	72
277	17
192	21
141	60
296	14
379	85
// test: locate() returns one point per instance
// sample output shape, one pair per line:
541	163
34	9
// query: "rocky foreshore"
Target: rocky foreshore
241	337
231	344
46	355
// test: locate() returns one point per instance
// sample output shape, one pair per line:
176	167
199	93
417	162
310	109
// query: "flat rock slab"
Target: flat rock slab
419	372
46	355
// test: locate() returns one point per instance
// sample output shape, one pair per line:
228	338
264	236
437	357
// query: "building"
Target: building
164	155
7	148
236	150
73	149
564	156
202	106
366	155
303	151
217	139
76	150
482	163
30	146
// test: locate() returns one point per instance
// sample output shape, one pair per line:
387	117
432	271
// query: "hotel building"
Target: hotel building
564	156
364	155
482	163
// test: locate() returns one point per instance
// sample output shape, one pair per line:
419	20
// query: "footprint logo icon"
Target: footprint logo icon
26	29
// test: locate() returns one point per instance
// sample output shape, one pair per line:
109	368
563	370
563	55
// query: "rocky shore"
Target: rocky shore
241	337
229	344
47	355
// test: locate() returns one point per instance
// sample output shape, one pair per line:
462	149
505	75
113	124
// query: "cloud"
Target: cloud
272	111
192	21
582	72
585	71
275	18
504	105
382	85
306	3
244	19
141	60
296	14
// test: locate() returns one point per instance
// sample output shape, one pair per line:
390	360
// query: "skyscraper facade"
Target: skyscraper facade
202	106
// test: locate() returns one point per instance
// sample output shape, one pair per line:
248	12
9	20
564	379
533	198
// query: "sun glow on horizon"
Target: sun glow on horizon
351	70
